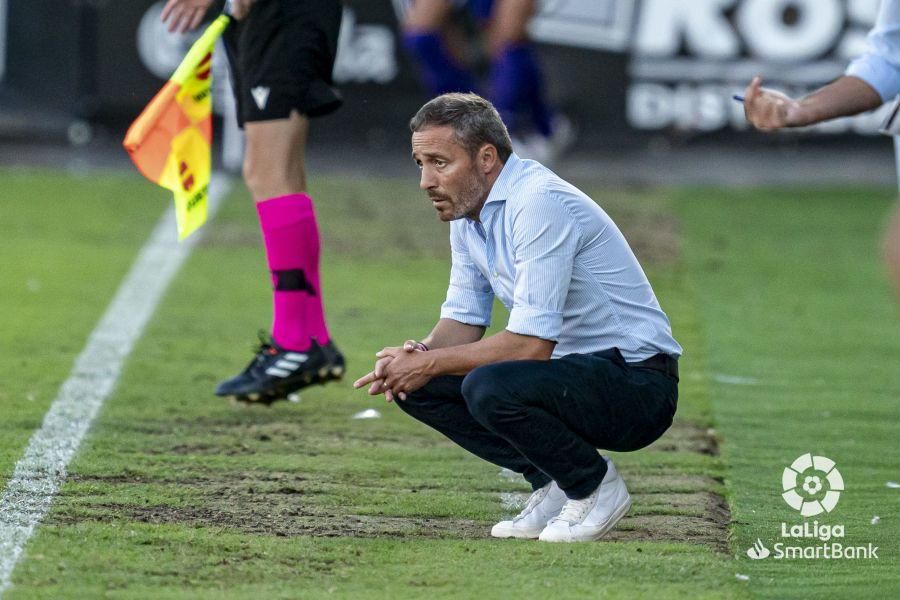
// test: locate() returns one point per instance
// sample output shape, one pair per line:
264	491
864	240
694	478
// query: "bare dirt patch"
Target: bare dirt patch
309	522
261	518
658	523
693	517
685	436
668	507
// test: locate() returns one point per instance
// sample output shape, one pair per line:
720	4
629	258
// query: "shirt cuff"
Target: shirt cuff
535	322
475	309
878	73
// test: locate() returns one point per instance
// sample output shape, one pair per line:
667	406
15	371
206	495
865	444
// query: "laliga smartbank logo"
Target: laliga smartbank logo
811	485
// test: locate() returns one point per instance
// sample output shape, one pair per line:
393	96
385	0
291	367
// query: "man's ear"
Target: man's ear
487	158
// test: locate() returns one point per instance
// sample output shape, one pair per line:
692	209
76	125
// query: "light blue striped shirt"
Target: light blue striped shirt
880	65
559	264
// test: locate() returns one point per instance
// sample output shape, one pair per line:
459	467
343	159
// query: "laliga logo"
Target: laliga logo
812	485
805	480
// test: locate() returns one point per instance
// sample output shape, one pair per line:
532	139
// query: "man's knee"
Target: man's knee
267	178
274	157
252	176
257	177
487	394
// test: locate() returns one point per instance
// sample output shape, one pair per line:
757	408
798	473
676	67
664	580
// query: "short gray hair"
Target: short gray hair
474	120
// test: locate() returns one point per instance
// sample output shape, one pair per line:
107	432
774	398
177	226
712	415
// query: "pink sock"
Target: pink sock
292	250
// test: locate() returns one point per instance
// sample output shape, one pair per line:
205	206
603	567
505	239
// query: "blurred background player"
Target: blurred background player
281	54
434	38
869	81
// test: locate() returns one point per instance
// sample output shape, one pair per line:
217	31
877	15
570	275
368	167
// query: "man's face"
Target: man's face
450	176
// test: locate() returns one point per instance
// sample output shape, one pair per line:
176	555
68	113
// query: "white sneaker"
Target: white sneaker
543	504
589	518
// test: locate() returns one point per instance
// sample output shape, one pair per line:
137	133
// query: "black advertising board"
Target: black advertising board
617	68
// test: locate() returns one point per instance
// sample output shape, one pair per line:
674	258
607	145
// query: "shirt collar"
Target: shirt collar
502	187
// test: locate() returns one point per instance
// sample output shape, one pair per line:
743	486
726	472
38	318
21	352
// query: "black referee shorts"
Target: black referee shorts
281	56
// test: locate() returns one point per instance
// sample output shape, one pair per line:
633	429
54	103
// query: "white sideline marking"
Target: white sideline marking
41	470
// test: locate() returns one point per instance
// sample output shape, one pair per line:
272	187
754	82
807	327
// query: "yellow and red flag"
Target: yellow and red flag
170	142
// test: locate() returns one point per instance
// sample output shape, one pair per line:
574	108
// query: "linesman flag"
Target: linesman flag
170	142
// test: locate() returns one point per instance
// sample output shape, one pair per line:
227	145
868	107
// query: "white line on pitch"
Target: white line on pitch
42	469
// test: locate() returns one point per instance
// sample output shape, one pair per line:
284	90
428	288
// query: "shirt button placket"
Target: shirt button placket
491	253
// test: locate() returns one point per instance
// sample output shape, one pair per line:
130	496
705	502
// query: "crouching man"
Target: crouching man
587	359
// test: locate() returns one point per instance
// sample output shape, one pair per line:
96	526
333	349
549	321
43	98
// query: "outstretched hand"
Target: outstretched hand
769	110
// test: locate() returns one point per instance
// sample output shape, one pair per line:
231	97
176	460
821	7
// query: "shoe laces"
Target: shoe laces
574	511
536	498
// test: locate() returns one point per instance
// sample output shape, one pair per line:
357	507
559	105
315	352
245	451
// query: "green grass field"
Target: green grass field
778	296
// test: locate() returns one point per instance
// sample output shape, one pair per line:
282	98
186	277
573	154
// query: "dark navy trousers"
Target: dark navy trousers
546	419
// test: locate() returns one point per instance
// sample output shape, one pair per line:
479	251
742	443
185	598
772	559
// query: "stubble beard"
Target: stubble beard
470	197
